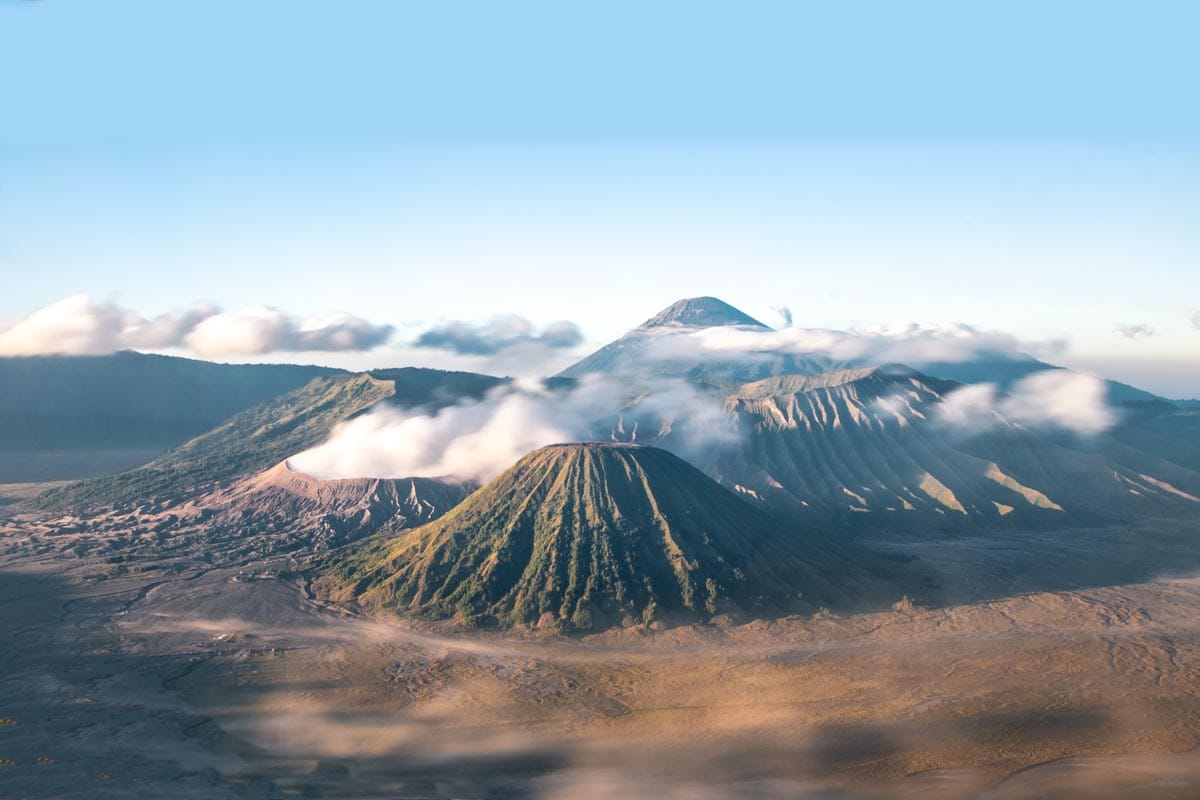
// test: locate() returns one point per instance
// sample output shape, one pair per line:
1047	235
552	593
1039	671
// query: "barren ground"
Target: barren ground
143	665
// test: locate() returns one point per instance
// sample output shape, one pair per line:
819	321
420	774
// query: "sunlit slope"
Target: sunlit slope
250	441
865	448
263	436
592	535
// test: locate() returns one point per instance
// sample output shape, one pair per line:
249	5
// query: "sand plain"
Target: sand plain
1058	664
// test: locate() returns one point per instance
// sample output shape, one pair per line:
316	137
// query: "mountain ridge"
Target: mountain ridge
866	449
62	412
263	435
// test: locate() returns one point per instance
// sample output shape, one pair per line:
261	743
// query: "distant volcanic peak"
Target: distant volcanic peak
638	352
701	312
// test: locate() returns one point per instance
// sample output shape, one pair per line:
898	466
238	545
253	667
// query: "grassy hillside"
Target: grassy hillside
260	437
253	440
593	535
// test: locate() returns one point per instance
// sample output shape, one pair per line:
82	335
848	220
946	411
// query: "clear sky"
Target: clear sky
1026	167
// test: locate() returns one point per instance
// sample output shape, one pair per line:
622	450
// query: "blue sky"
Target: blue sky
1029	169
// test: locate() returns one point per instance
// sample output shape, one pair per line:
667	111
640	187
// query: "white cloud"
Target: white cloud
1196	320
1062	399
251	330
166	330
1134	331
339	332
71	326
474	440
77	326
1055	398
480	439
907	343
972	406
500	333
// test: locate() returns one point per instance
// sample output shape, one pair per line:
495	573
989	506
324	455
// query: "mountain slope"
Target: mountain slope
588	535
648	349
1006	369
866	448
1162	430
61	415
666	346
250	441
328	513
263	436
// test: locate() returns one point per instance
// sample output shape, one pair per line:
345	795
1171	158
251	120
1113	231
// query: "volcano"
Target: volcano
583	536
663	346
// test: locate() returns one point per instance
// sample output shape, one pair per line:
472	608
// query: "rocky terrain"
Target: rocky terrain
204	667
866	448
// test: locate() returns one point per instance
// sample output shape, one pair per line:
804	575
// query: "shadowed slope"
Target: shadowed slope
71	417
862	444
129	399
330	512
872	449
1163	430
866	448
595	534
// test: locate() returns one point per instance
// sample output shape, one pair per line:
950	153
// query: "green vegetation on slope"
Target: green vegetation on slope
263	436
253	440
590	535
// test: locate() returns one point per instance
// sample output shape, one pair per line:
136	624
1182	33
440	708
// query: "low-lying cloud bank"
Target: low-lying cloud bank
260	329
480	439
470	441
1134	331
1053	398
906	343
501	333
77	326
